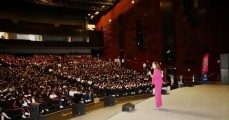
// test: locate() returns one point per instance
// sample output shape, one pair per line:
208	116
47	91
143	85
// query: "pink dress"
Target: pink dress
157	82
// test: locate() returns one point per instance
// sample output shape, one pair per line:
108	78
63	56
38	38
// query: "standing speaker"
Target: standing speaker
78	109
108	101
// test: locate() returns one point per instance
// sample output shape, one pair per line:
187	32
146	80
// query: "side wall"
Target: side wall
200	27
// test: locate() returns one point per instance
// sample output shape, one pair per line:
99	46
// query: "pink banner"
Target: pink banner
205	64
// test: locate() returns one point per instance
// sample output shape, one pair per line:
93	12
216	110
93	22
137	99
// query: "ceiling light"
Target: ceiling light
132	1
91	26
88	14
97	12
92	17
168	51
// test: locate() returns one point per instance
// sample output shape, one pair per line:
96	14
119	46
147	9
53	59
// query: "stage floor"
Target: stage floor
201	102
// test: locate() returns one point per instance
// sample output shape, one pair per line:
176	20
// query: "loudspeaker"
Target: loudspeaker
108	101
128	107
163	92
42	118
77	98
35	111
224	61
107	92
78	109
224	75
224	68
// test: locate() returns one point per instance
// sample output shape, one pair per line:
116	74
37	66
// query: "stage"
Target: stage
201	102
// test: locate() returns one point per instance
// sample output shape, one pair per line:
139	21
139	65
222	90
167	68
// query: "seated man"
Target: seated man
55	99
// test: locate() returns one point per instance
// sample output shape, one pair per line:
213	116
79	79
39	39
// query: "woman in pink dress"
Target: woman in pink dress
157	82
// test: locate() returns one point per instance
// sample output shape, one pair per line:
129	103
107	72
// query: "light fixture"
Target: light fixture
218	61
89	14
92	16
97	12
168	51
91	26
132	2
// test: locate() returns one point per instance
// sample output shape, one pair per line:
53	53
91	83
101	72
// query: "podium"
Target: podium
35	111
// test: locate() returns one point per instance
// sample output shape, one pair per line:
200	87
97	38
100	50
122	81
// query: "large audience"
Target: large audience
53	80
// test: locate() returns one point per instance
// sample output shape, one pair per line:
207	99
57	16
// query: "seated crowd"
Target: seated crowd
52	80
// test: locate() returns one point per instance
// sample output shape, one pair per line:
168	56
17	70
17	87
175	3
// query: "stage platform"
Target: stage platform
200	102
66	113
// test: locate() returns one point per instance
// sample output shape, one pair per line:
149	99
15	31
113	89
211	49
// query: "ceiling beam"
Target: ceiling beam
73	6
93	2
